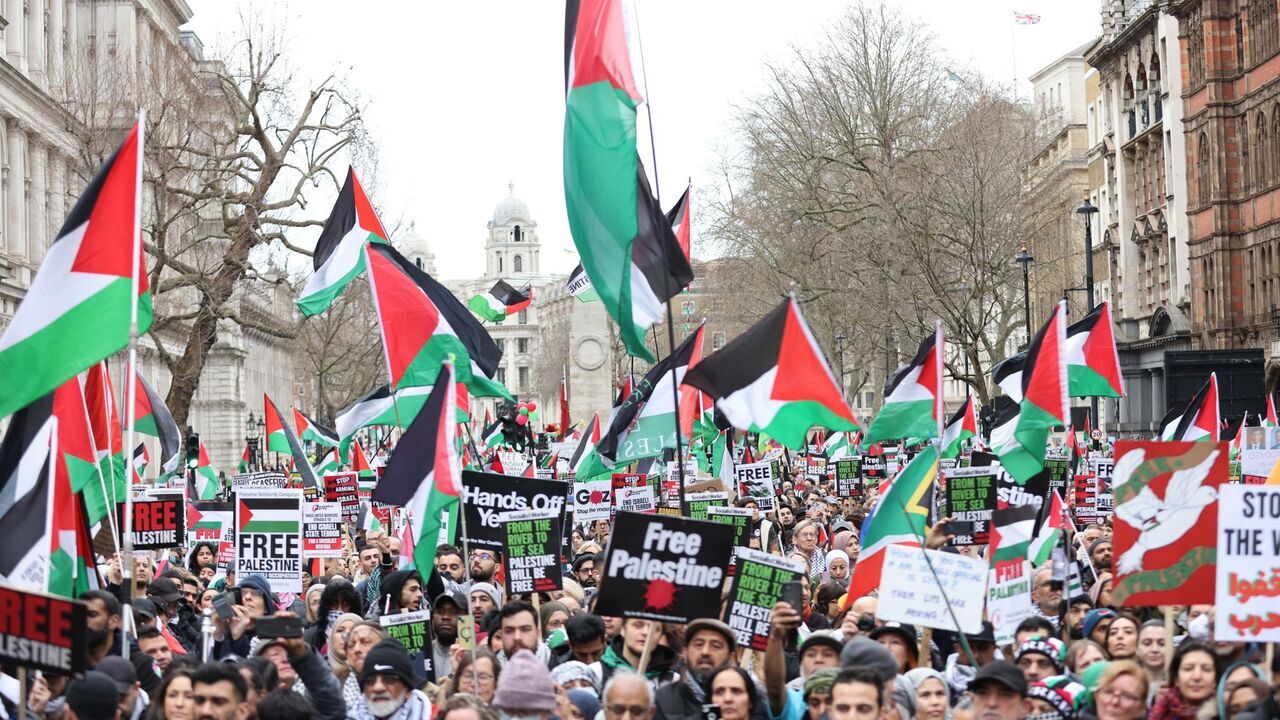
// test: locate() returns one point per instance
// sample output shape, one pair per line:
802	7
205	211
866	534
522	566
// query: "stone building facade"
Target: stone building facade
1230	57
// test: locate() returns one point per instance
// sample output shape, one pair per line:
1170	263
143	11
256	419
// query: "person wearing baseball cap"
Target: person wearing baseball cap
818	651
133	701
999	692
708	644
901	641
92	697
387	684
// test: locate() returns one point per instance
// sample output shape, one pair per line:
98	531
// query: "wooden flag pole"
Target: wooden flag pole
649	642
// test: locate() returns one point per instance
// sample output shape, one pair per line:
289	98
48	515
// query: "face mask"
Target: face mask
1199	629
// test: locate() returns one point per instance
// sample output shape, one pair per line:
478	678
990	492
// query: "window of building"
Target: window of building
517	234
517	264
523	317
502	344
522	378
1195	48
868	399
499	264
1260	153
686	308
1245	168
522	345
501	376
1263	32
1274	149
717	340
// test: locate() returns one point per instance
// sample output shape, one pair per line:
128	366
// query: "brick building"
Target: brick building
1230	58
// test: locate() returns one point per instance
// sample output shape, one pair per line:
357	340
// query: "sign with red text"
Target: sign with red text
343	488
1248	571
159	521
322	529
42	632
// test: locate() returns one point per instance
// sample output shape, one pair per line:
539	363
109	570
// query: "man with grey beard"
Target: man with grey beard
387	687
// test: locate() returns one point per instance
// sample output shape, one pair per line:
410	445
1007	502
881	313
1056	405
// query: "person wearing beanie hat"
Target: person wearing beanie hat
817	689
1096	624
868	652
386	686
484	597
1038	659
92	697
1055	697
525	688
133	701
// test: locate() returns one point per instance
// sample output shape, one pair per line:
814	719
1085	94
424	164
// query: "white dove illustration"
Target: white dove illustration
1161	521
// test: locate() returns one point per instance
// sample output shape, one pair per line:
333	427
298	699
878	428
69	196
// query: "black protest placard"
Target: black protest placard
532	552
971	496
873	468
664	568
757	586
344	488
159	521
413	630
756	481
849	478
1011	493
699	502
487	496
1058	473
42	632
735	517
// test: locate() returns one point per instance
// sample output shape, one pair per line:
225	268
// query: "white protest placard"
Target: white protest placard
1008	598
910	594
513	463
1247	595
322	529
592	500
638	499
1257	463
755	481
264	479
269	536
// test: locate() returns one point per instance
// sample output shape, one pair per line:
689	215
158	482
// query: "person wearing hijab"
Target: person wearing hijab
933	697
838	566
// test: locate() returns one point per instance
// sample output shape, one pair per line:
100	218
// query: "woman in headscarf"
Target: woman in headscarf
838	566
933	697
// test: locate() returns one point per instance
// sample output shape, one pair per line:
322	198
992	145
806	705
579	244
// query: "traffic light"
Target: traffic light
193	450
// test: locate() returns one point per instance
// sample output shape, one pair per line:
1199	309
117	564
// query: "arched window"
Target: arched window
1245	168
1141	84
499	264
516	234
517	264
1274	149
1202	168
418	262
1154	70
1128	87
1260	153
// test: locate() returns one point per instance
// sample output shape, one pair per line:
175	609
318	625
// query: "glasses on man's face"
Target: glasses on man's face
481	555
615	710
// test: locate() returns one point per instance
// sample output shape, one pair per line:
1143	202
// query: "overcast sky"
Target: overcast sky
466	97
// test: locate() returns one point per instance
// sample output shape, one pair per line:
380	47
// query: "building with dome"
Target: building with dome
557	336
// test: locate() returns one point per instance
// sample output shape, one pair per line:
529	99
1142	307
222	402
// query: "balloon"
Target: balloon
524	411
533	415
532	406
522	419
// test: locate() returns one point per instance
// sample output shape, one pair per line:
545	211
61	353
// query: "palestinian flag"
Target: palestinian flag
1270	420
207	483
329	462
1093	363
501	301
309	429
1012	529
339	253
586	445
1007	375
492	436
367	520
722	457
913	405
268	514
628	248
679	217
75	471
360	466
26	490
423	325
1044	397
151	417
1196	419
206	520
379	407
645	424
836	446
77	457
141	459
962	426
1049	531
464	403
77	310
579	285
424	473
899	517
774	379
245	459
281	439
104	426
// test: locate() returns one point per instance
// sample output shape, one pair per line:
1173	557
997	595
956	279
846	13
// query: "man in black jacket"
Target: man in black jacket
708	644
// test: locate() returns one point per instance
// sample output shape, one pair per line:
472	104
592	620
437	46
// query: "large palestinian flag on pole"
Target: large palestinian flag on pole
151	417
586	445
424	473
913	406
309	429
1044	397
339	253
75	472
77	310
104	425
26	485
1093	363
962	426
680	218
501	301
900	517
774	379
1196	419
207	483
627	246
379	407
281	438
423	325
78	458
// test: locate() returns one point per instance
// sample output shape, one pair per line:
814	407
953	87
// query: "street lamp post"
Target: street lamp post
251	439
1025	259
262	440
844	387
1088	210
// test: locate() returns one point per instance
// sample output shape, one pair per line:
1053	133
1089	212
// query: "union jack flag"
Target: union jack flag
1025	18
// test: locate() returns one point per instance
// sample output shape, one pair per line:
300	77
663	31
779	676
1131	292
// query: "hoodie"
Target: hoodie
392	584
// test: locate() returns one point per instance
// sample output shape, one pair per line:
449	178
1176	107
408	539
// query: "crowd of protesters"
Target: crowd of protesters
493	656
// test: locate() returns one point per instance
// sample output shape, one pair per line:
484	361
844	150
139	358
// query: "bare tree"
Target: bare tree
233	149
342	351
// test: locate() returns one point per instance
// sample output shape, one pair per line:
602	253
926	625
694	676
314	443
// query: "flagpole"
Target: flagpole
964	642
671	331
131	391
